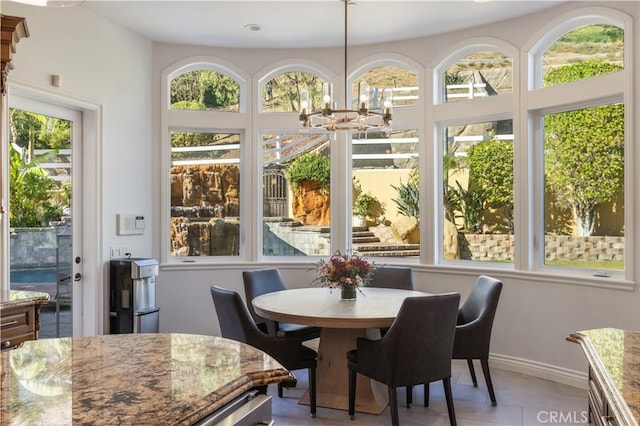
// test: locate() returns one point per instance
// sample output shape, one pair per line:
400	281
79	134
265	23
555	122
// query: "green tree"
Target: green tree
31	191
218	90
204	90
310	166
490	166
584	150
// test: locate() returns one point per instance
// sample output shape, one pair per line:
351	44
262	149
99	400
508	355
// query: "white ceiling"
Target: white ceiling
302	23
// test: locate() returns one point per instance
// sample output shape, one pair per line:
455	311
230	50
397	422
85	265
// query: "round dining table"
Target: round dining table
340	322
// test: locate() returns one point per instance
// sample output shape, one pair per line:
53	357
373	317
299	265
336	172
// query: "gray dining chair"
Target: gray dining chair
398	277
236	324
262	281
473	331
400	359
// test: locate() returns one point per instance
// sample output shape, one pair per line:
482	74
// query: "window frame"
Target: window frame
539	101
205	122
477	110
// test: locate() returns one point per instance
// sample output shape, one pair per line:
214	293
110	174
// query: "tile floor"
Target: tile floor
522	400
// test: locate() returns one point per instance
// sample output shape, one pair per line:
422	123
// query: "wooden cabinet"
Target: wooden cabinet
18	324
20	317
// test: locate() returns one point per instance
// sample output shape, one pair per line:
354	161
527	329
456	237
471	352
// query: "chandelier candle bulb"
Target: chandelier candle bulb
363	95
304	101
326	98
387	101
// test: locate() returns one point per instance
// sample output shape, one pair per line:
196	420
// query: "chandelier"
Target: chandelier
362	118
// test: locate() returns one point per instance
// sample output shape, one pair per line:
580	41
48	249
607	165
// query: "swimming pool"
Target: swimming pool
40	275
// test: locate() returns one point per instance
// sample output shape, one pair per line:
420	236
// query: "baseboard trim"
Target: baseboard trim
538	369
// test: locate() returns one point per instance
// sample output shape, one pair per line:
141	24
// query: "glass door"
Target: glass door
44	140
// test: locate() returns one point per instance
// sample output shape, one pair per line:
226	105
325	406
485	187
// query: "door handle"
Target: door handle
77	276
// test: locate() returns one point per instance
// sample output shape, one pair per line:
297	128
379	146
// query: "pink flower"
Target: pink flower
343	269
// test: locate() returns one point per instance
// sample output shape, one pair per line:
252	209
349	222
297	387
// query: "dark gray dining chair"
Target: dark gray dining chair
416	350
262	281
473	331
398	277
236	324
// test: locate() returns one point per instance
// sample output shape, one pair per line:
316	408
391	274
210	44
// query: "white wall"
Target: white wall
103	66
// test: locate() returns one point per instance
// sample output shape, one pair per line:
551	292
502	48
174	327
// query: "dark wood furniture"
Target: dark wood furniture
13	29
20	317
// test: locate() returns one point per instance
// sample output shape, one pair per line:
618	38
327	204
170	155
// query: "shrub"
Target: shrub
310	166
408	201
365	205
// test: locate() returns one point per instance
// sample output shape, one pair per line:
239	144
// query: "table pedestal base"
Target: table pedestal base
332	375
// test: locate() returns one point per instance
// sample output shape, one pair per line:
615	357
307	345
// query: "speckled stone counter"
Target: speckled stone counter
142	379
15	298
614	374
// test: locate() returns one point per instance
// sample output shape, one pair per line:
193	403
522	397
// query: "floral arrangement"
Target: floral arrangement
344	270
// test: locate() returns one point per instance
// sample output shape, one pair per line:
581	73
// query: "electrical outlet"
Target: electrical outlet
119	252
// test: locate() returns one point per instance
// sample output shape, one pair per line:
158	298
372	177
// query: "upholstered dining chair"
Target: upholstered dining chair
473	331
236	324
261	281
401	359
398	277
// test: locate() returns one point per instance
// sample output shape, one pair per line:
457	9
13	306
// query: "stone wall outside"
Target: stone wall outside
39	247
499	247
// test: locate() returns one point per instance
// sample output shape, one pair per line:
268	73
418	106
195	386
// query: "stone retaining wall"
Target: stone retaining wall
499	248
39	247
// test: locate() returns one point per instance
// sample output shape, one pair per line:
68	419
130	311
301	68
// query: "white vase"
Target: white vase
358	221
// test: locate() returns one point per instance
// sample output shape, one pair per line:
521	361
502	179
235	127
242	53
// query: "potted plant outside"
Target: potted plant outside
363	208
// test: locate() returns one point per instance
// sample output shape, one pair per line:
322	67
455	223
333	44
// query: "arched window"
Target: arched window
384	169
282	93
475	148
479	74
204	126
600	44
204	90
402	81
578	116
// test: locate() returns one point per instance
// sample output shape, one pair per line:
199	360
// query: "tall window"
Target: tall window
206	139
386	203
584	192
295	194
477	184
385	175
583	152
205	194
476	157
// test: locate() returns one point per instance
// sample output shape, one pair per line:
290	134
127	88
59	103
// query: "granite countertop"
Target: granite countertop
163	379
15	298
616	355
